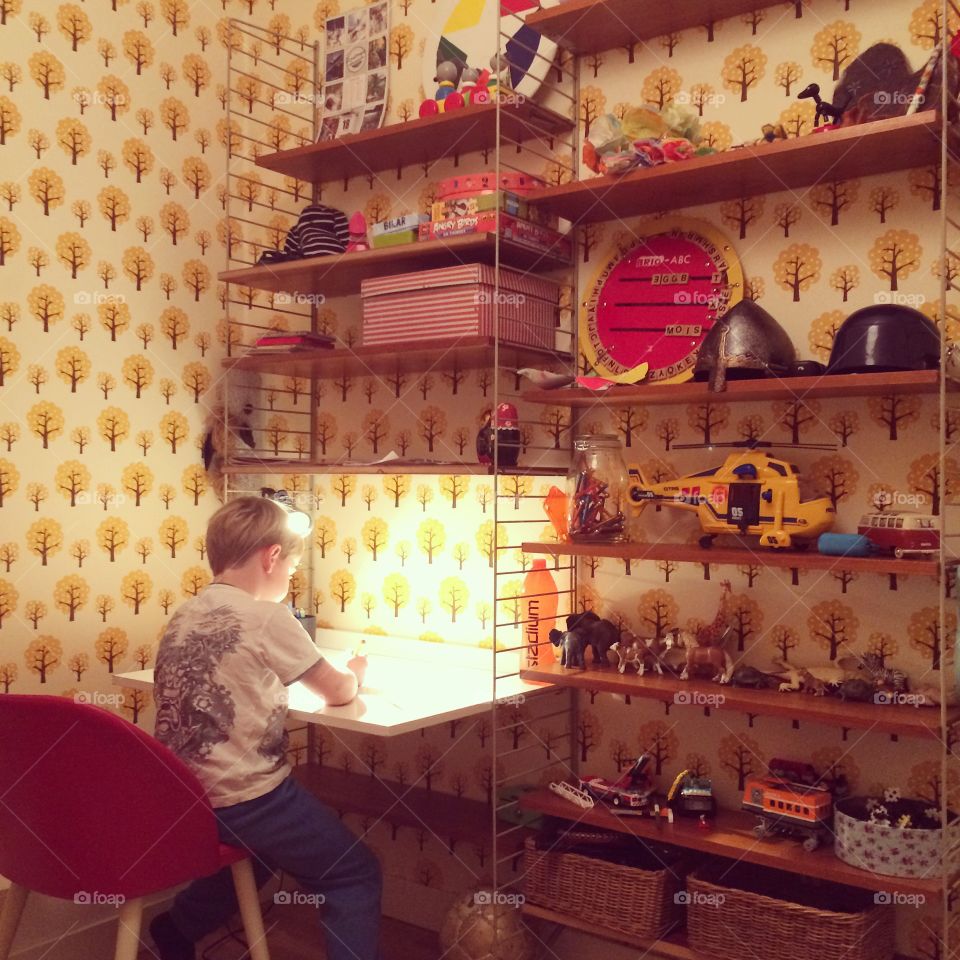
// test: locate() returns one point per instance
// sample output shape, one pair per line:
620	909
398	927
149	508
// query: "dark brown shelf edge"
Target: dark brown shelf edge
762	557
781	853
895	720
468	351
526	115
837	386
389	468
672	946
552	21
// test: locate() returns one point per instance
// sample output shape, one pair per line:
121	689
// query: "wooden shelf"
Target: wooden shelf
759	556
587	26
860	151
840	386
424	140
452	818
732	837
673	946
464	353
396	466
908	721
340	274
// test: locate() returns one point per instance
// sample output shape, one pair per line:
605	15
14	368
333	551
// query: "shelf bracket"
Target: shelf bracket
456	160
750	718
844	733
796	723
894	737
399	171
666	707
706	711
346	182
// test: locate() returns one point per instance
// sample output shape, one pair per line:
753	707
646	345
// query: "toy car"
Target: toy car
787	807
901	533
632	791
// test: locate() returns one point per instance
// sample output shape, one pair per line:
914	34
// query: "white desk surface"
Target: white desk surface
428	685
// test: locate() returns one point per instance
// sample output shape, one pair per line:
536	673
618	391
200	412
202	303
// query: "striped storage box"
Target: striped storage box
459	301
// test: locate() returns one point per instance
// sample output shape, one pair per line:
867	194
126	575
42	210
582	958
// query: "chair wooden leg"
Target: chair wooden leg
128	932
249	902
13	905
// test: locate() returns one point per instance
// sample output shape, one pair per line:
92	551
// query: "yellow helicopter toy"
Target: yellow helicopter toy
751	493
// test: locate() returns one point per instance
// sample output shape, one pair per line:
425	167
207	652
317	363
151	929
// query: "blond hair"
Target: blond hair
243	526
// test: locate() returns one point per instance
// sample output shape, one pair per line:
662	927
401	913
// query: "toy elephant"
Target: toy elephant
572	644
599	635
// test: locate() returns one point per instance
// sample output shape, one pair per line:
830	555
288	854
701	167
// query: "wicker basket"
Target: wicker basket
631	900
733	909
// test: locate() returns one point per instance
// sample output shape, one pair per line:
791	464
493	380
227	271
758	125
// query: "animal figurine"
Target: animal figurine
600	635
716	632
863	691
572	644
635	651
809	678
825	111
747	676
229	426
714	661
872	666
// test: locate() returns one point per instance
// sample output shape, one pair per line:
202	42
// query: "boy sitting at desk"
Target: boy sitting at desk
223	667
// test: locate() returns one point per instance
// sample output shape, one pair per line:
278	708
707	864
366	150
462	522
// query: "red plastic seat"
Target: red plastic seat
93	808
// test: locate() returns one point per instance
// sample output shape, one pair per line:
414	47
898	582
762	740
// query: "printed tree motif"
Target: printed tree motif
833	197
197	379
9	359
925	183
795	416
45	538
113	535
173	534
196	277
137	481
401	43
926	24
47	71
376	427
845	279
717	135
751	427
10	120
924	479
79	664
343	485
708	418
796	268
454	487
135	589
668	430
744	68
924	633
882	200
396	592
659	740
832	624
8	599
784	639
786	215
72	478
343	587
739	214
658	612
797	119
844	424
174	219
746	617
10	240
454	596
45	420
834	45
589	733
324	535
431	425
70	594
43	654
740	756
835	477
73	251
397	485
374	536
894	411
73	366
74	138
786	74
46	187
660	87
592	105
895	255
431	537
700	95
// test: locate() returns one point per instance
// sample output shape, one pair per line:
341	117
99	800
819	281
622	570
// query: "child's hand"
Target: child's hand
358	666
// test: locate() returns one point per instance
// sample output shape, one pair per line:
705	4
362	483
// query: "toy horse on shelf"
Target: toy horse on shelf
704	649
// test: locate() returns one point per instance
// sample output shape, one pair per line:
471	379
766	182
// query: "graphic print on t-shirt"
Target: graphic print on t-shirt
194	713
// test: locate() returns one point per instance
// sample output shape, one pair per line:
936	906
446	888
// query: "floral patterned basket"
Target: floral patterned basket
873	843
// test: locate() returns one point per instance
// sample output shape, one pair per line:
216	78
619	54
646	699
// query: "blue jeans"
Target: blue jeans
289	829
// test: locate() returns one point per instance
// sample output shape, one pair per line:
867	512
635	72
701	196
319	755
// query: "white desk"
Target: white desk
409	685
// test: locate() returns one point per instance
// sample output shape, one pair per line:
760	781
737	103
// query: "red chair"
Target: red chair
92	809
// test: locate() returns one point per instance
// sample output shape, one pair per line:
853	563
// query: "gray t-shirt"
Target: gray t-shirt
224	663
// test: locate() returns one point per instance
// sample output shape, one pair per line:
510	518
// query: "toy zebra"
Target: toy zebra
883	676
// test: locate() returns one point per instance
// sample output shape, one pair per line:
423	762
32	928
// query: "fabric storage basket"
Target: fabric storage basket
732	910
638	901
459	301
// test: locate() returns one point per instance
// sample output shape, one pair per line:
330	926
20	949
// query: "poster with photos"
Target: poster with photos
355	71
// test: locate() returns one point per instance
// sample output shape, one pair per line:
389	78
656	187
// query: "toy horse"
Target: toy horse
825	111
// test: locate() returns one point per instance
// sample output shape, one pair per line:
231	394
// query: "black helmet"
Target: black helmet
886	336
746	342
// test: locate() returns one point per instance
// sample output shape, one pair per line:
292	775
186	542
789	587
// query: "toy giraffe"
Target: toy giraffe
714	634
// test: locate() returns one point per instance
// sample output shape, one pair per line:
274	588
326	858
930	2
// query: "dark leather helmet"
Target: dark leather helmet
886	336
746	342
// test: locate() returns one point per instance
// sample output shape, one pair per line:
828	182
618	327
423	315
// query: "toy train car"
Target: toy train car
901	534
794	809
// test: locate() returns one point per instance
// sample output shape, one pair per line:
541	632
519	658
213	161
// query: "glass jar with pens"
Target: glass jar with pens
597	487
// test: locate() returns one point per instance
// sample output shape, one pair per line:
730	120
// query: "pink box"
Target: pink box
459	301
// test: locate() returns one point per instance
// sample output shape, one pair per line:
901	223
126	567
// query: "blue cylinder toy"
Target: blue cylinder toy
844	544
